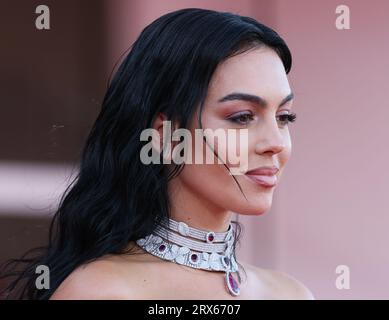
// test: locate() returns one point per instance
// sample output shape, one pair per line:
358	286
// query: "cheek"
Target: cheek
210	183
232	149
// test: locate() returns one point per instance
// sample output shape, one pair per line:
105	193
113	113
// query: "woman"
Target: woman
129	228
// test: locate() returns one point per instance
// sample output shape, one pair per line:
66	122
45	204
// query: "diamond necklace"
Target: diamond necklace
177	242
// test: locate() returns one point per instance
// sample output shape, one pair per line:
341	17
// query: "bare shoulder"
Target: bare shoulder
103	279
279	285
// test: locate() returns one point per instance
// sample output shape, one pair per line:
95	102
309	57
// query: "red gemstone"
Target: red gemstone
233	283
194	257
210	237
162	247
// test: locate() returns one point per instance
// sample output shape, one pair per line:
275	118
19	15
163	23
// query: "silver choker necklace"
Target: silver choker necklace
177	242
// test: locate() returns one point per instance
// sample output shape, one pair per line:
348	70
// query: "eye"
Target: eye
286	118
242	118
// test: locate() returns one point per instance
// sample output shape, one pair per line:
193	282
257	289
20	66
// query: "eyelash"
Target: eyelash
289	117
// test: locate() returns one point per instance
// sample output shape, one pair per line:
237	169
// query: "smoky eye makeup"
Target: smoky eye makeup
246	117
242	117
286	118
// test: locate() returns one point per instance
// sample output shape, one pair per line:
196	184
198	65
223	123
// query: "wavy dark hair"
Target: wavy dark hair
115	198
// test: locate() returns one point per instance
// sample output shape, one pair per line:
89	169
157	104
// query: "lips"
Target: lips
264	176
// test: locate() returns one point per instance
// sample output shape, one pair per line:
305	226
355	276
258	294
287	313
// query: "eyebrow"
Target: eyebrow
253	98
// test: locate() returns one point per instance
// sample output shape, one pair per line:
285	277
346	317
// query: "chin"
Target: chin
254	210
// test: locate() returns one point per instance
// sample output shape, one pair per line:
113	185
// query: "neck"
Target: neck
196	211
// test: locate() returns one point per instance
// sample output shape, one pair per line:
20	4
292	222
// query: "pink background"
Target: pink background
330	207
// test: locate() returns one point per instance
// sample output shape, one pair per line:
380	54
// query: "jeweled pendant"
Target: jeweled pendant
232	284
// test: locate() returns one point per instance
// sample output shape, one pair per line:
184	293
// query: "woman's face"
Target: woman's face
258	73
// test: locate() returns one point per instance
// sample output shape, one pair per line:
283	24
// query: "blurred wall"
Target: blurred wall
51	86
329	207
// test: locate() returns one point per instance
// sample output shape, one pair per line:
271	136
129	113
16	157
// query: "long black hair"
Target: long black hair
115	198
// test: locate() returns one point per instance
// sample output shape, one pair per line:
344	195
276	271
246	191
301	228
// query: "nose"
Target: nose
269	138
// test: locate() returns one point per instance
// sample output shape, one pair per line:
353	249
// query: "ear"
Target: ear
158	122
159	138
